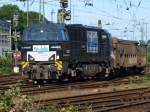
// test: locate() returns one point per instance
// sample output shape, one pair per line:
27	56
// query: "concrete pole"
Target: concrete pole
146	30
70	9
27	13
39	11
52	13
43	7
9	21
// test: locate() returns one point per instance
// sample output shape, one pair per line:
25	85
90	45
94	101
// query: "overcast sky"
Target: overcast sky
123	18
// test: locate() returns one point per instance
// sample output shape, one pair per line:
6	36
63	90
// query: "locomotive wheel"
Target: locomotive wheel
79	76
103	76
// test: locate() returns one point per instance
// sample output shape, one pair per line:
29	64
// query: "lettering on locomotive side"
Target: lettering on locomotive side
26	47
56	47
92	42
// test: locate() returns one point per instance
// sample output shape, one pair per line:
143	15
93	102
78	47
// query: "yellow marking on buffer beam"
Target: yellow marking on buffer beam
24	64
59	65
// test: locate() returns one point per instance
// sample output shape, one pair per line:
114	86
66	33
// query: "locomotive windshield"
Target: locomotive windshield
45	32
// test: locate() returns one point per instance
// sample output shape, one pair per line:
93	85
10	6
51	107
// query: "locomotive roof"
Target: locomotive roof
46	24
52	25
86	27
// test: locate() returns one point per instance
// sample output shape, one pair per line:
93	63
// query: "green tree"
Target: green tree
148	42
7	12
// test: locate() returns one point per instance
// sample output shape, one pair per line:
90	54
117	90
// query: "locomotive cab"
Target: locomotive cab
44	50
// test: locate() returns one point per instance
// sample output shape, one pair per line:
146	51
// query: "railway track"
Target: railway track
5	77
71	86
77	85
99	102
142	106
31	89
11	79
104	102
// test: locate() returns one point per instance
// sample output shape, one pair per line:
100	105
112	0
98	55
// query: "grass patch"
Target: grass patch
5	65
148	57
144	83
147	77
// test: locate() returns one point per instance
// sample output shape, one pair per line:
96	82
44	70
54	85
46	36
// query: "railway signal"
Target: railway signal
63	14
68	15
15	20
17	55
64	3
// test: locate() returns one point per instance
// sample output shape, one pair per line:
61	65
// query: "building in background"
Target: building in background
5	37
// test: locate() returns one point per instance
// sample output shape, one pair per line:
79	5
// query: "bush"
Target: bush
148	53
5	65
147	76
58	108
12	101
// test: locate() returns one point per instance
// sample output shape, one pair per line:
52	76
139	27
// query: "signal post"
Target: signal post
16	53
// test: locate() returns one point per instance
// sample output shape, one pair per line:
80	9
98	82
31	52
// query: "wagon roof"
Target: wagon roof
128	41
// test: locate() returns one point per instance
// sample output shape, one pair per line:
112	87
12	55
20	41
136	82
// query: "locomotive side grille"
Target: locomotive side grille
103	50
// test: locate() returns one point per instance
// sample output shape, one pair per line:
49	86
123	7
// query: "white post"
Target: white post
9	21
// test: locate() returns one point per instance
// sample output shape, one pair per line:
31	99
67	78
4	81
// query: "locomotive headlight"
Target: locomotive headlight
30	58
57	57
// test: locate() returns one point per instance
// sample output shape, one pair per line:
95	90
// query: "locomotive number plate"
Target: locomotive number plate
40	48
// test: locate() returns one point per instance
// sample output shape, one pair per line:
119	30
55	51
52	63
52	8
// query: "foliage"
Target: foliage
51	108
12	101
71	108
148	42
148	57
7	12
148	54
57	108
147	77
5	65
142	42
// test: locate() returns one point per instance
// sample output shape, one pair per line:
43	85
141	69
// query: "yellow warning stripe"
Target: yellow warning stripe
59	65
24	64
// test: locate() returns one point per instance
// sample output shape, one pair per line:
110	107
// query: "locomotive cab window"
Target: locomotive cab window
45	32
63	34
103	37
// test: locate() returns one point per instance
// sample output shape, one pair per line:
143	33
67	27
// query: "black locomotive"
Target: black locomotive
52	51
